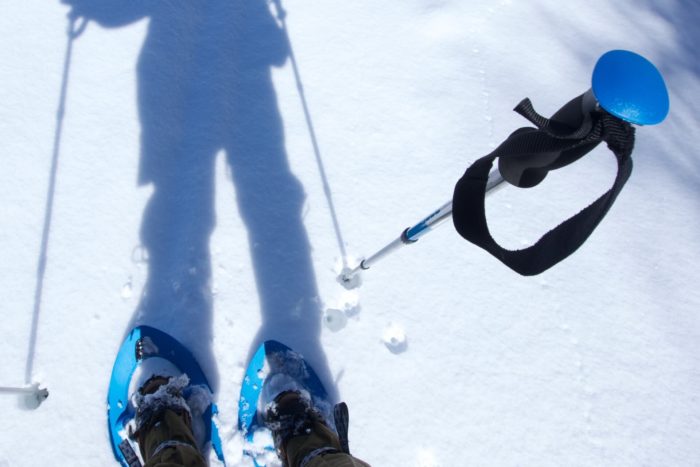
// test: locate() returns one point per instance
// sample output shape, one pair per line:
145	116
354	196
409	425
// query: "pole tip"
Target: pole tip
33	399
349	279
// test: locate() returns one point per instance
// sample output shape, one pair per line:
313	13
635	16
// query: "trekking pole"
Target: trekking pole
349	278
626	89
76	26
33	395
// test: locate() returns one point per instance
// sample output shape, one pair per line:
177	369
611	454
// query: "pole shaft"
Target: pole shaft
397	243
412	234
9	390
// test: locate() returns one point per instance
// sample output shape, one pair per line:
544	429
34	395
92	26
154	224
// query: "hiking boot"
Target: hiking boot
293	419
156	396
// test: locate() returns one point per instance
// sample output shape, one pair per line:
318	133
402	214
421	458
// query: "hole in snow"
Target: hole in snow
394	339
335	319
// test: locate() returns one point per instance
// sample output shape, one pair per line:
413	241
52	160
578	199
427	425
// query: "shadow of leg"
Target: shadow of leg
177	224
270	201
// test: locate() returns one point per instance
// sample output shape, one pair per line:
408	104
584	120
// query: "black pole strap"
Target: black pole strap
525	158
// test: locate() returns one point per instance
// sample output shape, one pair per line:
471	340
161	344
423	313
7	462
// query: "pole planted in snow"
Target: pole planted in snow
32	396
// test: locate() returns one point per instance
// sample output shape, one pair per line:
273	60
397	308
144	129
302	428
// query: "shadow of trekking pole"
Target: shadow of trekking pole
281	17
76	27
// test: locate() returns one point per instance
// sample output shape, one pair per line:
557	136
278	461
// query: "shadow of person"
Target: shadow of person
204	85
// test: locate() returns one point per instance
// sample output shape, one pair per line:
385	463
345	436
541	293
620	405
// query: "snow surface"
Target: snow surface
594	362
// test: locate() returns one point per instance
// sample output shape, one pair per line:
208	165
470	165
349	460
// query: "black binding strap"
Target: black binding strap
525	158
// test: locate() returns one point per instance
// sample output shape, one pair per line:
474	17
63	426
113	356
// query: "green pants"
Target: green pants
170	443
300	448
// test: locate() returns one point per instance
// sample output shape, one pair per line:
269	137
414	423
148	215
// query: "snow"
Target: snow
594	362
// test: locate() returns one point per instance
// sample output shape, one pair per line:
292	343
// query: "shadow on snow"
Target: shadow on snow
204	85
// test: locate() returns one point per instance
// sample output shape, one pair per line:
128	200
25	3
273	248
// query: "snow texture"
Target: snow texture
207	169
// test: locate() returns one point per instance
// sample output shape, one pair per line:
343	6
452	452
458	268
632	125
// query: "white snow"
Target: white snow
594	362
